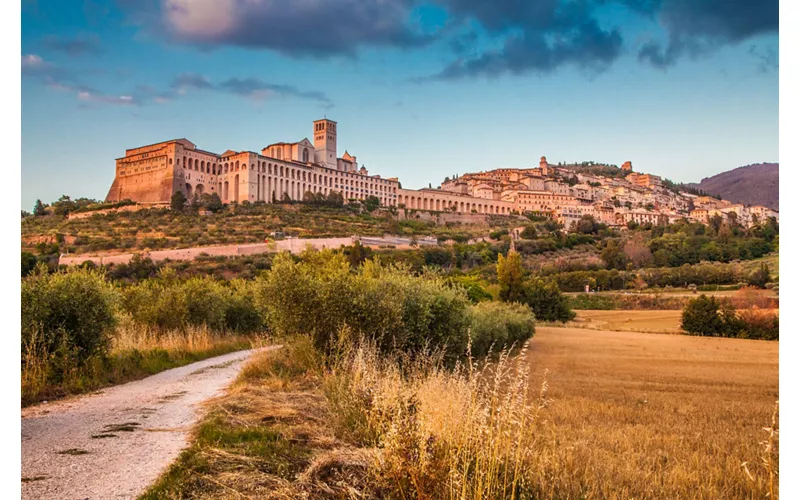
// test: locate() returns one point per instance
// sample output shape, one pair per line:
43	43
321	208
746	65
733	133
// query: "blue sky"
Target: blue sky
421	90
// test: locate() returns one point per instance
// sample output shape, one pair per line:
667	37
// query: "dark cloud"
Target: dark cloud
697	27
586	46
315	28
534	36
75	46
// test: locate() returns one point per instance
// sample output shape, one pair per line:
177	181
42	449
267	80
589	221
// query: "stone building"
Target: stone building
152	174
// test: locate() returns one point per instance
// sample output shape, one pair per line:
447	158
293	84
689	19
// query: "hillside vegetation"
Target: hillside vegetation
755	184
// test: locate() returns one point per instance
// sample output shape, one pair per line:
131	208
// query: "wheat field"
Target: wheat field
638	415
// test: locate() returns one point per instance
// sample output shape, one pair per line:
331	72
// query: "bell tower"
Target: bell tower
325	143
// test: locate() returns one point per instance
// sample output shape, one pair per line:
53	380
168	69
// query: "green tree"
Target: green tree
510	275
211	202
372	203
760	276
28	263
39	209
178	201
614	256
546	300
709	317
529	233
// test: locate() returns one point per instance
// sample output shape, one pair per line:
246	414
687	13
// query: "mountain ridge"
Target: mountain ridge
755	184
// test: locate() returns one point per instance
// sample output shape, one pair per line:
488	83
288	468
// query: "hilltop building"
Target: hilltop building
152	174
288	170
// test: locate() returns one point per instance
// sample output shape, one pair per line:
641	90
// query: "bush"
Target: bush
169	303
67	314
546	300
382	303
497	325
709	317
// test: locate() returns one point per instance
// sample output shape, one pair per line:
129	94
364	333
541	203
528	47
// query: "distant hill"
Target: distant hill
755	184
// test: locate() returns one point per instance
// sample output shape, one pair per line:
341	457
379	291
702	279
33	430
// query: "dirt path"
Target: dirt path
115	443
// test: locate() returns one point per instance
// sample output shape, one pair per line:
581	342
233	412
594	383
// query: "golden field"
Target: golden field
645	416
617	415
645	321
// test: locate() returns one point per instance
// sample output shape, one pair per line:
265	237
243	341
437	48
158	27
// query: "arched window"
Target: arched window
170	161
203	166
252	167
305	155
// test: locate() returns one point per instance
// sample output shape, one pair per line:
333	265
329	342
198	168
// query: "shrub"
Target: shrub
382	303
68	314
497	325
712	318
701	316
169	303
546	300
28	261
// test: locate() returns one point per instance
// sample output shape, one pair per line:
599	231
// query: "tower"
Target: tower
543	165
325	143
627	167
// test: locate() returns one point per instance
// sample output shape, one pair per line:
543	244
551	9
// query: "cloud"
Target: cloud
298	28
698	27
257	89
75	46
186	81
587	46
767	58
57	78
485	37
251	88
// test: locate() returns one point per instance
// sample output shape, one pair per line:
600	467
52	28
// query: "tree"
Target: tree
510	274
547	301
177	202
529	233
614	256
28	263
39	209
372	203
760	276
587	225
211	202
709	317
63	206
285	199
335	199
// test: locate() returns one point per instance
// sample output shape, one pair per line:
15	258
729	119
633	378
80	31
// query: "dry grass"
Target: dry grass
668	321
617	415
136	351
655	416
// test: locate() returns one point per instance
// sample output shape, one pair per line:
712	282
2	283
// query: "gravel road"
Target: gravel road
114	443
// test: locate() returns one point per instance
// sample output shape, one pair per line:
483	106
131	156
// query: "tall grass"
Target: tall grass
464	433
136	351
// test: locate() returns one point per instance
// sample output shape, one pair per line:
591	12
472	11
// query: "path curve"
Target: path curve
139	428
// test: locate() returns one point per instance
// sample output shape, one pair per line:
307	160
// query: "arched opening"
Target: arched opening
226	192
188	190
203	166
305	155
236	187
199	190
258	186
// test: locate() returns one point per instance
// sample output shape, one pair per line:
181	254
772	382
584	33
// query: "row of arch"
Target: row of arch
435	204
268	168
269	188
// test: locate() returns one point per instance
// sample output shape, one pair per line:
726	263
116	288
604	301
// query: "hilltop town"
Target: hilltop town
289	171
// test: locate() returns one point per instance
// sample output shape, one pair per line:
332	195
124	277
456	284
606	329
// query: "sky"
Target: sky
684	89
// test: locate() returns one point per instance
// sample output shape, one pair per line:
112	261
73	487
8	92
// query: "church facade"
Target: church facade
152	174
